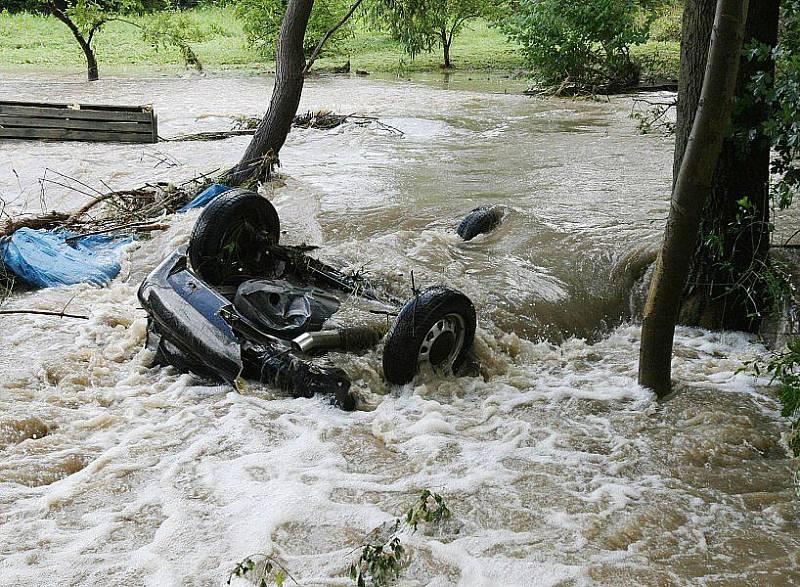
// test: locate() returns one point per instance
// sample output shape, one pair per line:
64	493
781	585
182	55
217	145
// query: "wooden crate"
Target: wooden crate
78	122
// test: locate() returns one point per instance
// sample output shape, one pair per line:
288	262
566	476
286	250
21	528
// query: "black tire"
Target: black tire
480	220
404	343
240	218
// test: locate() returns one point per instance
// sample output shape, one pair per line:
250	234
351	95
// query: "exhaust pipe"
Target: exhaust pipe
346	339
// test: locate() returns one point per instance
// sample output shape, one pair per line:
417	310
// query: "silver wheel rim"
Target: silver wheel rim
450	325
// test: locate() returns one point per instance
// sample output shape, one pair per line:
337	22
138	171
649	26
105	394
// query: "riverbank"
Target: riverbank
34	43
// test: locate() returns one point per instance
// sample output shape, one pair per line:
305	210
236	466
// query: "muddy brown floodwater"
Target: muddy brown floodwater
558	467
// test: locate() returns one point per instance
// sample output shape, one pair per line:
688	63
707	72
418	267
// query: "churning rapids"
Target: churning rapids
558	467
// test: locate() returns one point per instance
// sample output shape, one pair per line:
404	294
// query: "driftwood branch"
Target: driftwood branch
45	313
144	226
315	53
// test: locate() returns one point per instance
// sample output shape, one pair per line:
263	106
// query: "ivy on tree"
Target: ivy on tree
423	25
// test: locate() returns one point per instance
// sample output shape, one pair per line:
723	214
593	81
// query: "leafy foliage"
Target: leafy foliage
782	97
585	43
784	368
382	557
423	25
90	15
85	18
269	572
262	23
667	24
381	560
165	30
758	285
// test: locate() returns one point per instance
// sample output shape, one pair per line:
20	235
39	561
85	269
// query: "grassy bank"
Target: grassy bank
217	38
41	42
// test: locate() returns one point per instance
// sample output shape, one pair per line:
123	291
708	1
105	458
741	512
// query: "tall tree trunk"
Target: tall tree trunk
262	152
446	42
689	194
724	290
92	72
698	20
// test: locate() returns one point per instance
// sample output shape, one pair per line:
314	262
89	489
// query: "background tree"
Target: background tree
580	45
692	188
732	280
262	22
422	25
173	29
85	18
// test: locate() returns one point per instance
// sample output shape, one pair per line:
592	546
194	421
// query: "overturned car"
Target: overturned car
235	303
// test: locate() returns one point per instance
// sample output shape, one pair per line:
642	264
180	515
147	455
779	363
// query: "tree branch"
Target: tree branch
95	27
62	16
458	23
315	53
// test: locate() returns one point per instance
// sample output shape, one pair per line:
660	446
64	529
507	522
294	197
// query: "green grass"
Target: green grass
38	42
42	42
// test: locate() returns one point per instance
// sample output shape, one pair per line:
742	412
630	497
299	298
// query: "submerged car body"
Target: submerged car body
263	316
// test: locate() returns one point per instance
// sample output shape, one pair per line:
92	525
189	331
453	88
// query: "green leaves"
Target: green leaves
430	508
382	561
781	97
89	15
262	23
784	368
273	572
382	556
423	25
586	42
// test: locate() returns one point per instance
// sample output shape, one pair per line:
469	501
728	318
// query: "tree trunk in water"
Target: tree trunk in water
92	72
724	291
446	46
262	152
689	194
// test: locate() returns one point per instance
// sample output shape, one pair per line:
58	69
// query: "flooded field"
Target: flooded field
558	468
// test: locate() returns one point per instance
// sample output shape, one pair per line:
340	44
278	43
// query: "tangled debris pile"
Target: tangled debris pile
134	210
319	119
64	248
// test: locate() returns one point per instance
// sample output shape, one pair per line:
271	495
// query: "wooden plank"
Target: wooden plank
75	135
39	112
83	106
23	122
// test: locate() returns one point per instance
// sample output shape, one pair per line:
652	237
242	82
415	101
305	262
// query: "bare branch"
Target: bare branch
315	53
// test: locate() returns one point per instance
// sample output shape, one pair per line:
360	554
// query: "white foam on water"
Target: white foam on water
559	469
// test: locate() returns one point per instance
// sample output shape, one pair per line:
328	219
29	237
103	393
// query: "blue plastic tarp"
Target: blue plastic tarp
46	259
205	196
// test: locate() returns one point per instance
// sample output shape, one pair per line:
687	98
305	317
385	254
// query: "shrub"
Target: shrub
585	43
667	25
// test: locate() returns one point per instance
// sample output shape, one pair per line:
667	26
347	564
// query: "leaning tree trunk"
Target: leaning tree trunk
262	152
86	46
689	194
724	290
